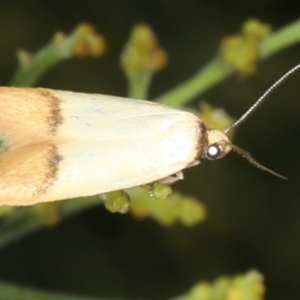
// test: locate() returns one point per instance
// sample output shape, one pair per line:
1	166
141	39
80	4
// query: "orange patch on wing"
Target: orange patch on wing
28	116
27	173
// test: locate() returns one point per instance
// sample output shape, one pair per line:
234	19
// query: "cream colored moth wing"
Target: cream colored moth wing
110	143
91	144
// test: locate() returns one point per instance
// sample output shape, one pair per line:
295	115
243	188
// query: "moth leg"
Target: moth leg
172	178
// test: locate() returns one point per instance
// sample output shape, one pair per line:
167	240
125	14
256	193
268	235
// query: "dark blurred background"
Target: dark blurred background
253	218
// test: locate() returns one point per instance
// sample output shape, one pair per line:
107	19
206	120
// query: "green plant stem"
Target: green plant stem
207	77
215	71
21	222
13	292
279	40
28	74
138	84
82	42
10	291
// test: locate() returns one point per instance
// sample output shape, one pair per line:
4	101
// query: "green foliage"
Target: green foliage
82	42
141	58
117	201
241	51
177	207
240	287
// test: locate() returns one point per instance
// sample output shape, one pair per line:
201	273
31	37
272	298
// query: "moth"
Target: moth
61	145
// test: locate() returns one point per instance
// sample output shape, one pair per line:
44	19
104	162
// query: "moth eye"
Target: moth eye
213	151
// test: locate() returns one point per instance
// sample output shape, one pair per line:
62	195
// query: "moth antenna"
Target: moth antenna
252	161
260	101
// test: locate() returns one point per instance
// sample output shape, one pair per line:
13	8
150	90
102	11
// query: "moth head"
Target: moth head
218	143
